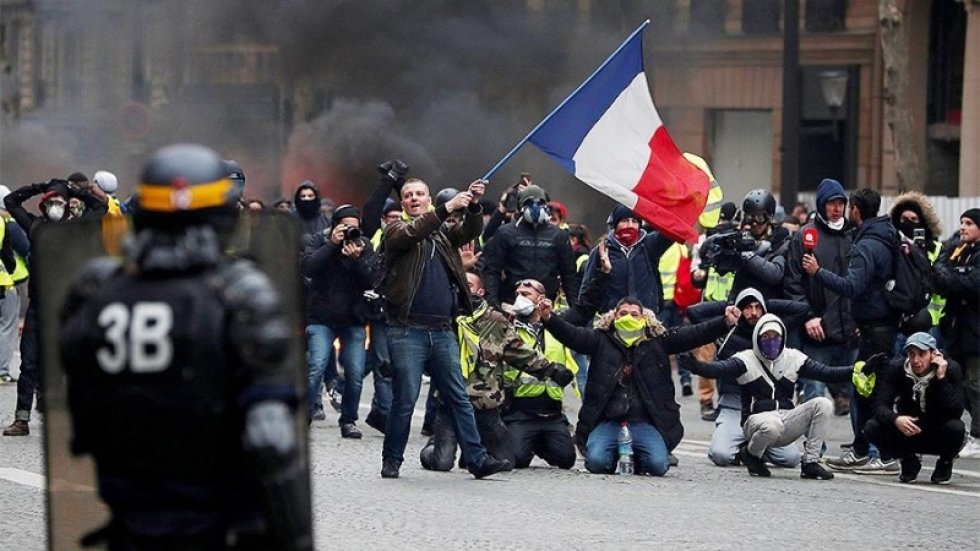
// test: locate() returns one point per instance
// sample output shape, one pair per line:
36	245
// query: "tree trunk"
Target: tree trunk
895	50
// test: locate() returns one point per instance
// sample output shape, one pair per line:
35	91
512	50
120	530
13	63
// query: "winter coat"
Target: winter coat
831	252
650	363
520	250
895	396
405	242
957	277
870	265
920	204
337	282
764	271
635	271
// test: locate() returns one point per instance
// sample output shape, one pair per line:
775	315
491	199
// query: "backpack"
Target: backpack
910	288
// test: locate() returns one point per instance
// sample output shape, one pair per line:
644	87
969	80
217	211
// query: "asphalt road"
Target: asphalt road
696	506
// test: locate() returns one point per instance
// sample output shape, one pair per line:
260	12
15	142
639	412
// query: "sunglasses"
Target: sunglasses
758	219
536	285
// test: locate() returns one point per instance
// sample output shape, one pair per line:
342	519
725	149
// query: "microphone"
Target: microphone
810	239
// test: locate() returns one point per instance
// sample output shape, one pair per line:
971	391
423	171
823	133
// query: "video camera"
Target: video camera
722	251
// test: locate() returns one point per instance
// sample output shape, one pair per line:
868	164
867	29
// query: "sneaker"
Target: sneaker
672	460
842	406
490	465
848	461
943	471
755	465
708	412
879	466
815	471
686	390
911	465
376	420
972	449
336	399
17	428
350	430
318	413
389	468
7	378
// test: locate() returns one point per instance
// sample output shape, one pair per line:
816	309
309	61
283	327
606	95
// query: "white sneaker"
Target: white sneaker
877	466
971	450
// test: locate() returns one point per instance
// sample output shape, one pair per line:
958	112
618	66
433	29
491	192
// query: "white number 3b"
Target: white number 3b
141	339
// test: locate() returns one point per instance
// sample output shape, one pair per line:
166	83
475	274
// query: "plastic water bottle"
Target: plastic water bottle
625	450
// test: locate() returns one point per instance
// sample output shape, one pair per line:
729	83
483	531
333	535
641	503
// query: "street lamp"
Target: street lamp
833	86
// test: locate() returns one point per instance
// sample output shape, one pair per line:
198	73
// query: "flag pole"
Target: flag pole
521	143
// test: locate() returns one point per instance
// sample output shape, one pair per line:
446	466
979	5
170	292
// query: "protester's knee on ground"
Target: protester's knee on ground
722	456
432	460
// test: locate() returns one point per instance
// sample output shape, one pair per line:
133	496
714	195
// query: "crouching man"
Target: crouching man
919	409
768	374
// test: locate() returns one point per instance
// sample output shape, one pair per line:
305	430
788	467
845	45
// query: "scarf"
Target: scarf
919	385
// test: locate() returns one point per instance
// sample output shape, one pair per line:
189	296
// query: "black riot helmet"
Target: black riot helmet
759	201
444	195
185	185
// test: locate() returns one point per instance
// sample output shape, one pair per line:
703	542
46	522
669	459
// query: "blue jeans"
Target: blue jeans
379	358
650	454
582	376
833	355
415	350
352	356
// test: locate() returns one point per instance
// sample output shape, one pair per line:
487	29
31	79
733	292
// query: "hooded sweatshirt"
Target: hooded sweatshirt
310	217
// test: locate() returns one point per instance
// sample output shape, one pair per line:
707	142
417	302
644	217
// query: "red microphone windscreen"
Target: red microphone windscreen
810	239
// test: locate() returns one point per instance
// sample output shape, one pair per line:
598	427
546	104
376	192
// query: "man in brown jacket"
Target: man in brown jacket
425	288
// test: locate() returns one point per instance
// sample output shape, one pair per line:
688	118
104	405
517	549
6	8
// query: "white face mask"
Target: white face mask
838	225
523	306
55	212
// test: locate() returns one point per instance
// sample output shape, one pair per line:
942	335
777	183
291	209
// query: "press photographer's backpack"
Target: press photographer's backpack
910	288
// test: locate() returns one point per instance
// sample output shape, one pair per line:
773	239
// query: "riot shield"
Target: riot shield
74	506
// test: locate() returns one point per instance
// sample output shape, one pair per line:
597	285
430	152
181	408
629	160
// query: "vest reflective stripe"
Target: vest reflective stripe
936	301
669	263
718	286
580	261
5	280
529	386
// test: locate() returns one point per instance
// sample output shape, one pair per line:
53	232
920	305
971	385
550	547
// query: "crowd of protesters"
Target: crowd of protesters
507	307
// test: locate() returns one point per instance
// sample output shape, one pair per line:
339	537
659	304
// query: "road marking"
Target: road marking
895	484
23	477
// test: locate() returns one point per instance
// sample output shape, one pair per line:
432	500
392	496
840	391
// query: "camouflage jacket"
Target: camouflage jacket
488	341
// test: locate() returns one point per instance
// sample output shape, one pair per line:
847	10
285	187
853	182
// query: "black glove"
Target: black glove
395	170
875	363
686	361
561	375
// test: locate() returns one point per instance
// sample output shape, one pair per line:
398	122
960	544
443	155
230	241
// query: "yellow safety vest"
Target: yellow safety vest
718	286
6	281
114	209
936	302
21	272
669	263
376	238
716	196
469	341
529	386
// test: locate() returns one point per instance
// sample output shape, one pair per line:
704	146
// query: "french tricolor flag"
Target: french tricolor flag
609	135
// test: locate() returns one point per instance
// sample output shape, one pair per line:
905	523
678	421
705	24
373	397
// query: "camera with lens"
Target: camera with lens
352	234
722	251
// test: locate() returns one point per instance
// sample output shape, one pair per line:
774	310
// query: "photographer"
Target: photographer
338	263
506	209
918	410
763	266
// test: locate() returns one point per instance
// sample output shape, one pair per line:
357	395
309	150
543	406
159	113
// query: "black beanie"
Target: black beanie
344	211
972	214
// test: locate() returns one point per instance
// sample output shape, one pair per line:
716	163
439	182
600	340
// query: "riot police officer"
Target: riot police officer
177	385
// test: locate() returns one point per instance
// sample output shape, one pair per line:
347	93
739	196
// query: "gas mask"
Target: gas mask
535	213
55	211
523	306
771	347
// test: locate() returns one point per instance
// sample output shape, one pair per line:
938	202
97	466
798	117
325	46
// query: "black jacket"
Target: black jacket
635	270
870	265
834	310
520	250
337	282
944	397
651	371
764	271
957	277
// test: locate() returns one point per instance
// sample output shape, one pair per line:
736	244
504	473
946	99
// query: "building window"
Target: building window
761	16
707	17
824	16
